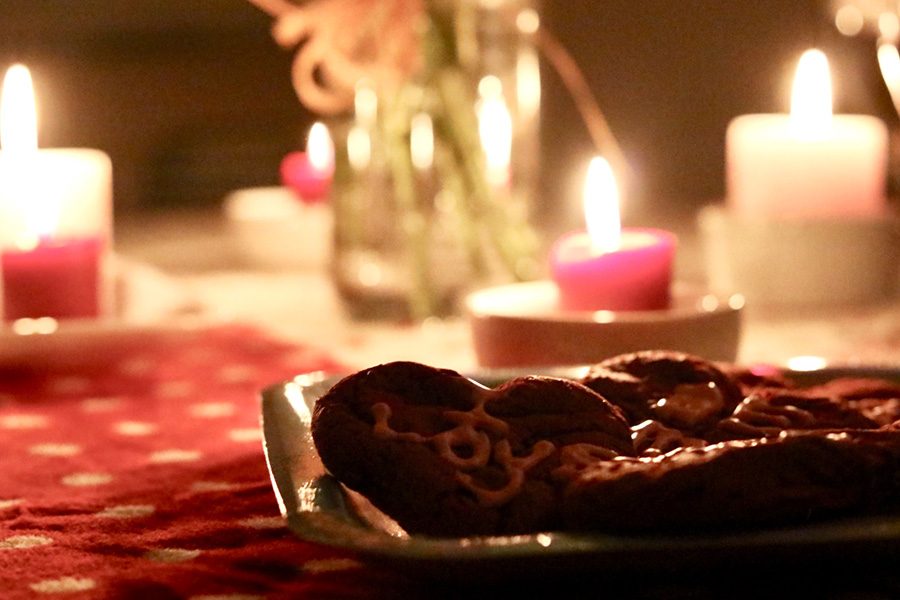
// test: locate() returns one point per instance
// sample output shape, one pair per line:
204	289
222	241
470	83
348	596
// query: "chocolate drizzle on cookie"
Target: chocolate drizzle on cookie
469	447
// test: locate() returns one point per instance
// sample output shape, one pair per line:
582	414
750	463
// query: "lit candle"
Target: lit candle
55	216
608	267
309	173
809	164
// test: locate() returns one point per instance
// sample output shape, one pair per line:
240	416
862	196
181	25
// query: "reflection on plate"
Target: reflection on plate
318	509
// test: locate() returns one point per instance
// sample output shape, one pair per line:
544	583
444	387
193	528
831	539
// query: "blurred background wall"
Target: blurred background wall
192	98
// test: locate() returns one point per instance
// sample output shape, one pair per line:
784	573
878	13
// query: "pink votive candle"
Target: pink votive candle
59	279
636	276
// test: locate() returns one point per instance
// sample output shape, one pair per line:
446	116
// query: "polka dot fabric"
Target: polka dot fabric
143	477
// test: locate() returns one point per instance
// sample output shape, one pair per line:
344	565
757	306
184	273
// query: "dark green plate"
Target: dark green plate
318	509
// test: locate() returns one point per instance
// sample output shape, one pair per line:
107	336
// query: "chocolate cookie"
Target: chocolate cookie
680	391
648	441
769	411
877	399
789	479
445	456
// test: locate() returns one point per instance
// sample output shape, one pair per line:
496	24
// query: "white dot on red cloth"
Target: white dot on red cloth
63	585
302	356
213	486
249	434
327	565
134	428
137	366
10	502
20	542
212	410
127	511
86	479
171	555
55	449
100	405
175	455
70	385
237	373
199	356
263	522
23	421
174	389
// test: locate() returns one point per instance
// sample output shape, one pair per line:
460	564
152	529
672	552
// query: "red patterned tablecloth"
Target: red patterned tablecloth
143	477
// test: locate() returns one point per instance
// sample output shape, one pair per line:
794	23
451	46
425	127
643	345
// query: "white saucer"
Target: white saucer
520	325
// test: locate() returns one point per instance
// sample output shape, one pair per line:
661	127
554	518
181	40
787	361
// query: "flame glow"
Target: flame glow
18	112
18	137
601	206
811	111
889	63
320	148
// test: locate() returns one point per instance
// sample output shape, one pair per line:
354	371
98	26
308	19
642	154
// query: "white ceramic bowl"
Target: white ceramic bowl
520	325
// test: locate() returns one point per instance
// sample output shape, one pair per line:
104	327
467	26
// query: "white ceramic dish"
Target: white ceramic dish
520	325
318	509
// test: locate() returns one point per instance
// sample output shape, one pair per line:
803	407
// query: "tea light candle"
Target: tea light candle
55	216
309	173
608	267
811	163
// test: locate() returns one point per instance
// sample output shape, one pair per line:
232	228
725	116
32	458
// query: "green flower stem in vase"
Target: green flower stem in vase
413	235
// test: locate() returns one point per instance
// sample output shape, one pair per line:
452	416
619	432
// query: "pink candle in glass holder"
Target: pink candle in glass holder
608	267
54	217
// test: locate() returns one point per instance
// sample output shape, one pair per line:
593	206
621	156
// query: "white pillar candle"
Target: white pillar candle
55	217
809	164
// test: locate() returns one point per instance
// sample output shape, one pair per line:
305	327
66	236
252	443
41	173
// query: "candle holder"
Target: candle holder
522	325
801	262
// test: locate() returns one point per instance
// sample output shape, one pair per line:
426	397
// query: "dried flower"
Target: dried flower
345	41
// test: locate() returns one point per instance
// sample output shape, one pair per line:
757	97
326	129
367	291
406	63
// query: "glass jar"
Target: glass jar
435	180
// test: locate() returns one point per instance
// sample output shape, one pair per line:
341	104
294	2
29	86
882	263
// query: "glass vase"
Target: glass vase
435	179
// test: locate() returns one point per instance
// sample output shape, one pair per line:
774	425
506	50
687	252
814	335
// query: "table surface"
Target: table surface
134	468
214	270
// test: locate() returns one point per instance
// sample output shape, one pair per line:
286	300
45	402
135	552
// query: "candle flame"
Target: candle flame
889	63
320	148
18	137
601	206
18	113
811	111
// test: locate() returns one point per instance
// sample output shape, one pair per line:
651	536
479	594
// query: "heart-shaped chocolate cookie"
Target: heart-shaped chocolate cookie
446	456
